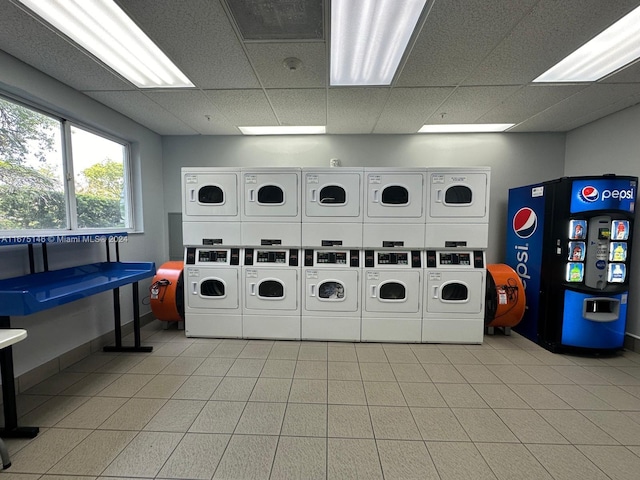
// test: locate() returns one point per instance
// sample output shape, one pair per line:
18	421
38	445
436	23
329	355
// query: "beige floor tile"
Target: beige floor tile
344	371
151	365
126	386
90	363
429	354
580	375
162	386
218	417
256	351
477	374
439	424
512	374
28	403
311	369
548	358
305	420
342	353
377	372
443	373
134	414
352	459
371	354
403	460
214	367
91	384
499	396
512	461
566	462
274	368
246	367
458	395
383	393
145	455
614	375
576	428
520	357
308	391
236	389
197	387
227	350
120	364
201	350
175	416
529	427
484	425
172	349
615	396
488	356
539	397
393	423
349	421
546	375
422	395
182	366
52	411
346	392
578	398
271	390
57	383
284	351
261	419
616	462
47	449
313	352
93	454
196	456
297	457
399	354
260	449
455	461
616	424
460	357
92	413
410	372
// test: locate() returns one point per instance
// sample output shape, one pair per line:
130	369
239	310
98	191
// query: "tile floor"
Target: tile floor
237	409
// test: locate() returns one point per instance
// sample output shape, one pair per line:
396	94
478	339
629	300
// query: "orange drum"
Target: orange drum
167	292
505	296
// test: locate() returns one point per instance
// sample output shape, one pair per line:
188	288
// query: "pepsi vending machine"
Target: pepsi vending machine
569	240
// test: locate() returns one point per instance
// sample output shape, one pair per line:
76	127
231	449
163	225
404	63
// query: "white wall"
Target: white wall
56	331
515	159
611	145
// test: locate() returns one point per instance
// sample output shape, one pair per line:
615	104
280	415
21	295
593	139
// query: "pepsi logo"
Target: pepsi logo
525	222
589	194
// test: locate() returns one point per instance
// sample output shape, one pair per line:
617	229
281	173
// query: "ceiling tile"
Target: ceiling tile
300	107
456	37
355	110
467	104
198	37
408	108
243	107
268	61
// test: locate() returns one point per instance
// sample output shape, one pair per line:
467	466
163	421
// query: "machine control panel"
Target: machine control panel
332	257
230	256
474	259
216	256
411	259
254	256
271	257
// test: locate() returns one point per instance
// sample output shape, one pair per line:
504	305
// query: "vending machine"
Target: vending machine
569	240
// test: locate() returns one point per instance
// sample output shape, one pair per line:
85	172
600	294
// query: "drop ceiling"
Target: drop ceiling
471	61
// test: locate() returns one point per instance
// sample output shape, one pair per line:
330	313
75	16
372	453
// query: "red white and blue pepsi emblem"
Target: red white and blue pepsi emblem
525	222
589	194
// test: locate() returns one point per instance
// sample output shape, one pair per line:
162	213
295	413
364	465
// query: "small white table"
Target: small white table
9	336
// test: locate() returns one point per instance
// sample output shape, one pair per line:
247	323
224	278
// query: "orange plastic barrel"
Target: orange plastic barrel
505	299
167	292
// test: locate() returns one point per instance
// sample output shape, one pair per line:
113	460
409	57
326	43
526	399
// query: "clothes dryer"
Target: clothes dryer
333	207
271	283
454	296
213	297
392	296
394	196
271	206
211	206
331	295
458	207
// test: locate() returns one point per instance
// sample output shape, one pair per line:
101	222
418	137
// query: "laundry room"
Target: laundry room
331	310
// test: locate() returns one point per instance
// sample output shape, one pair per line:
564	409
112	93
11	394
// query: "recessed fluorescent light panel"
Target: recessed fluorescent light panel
615	47
103	29
466	128
283	130
368	39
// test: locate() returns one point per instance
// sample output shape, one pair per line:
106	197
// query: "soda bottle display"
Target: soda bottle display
619	252
616	273
574	272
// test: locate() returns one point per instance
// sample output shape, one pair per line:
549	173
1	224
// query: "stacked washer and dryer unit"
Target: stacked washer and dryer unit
351	254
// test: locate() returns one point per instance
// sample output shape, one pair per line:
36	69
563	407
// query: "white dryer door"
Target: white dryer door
458	195
454	292
392	292
211	194
332	194
331	290
212	288
271	195
271	289
394	195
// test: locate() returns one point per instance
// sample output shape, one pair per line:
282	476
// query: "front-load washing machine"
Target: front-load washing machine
271	283
271	206
392	296
211	206
213	297
458	207
331	295
332	211
394	196
454	296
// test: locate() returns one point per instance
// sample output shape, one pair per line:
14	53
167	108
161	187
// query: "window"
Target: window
55	175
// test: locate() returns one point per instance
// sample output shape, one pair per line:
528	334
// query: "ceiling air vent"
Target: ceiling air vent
272	20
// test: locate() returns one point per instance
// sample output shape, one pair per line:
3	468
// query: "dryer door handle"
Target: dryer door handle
252	287
376	196
435	290
194	288
374	291
439	195
192	194
312	290
252	194
314	194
